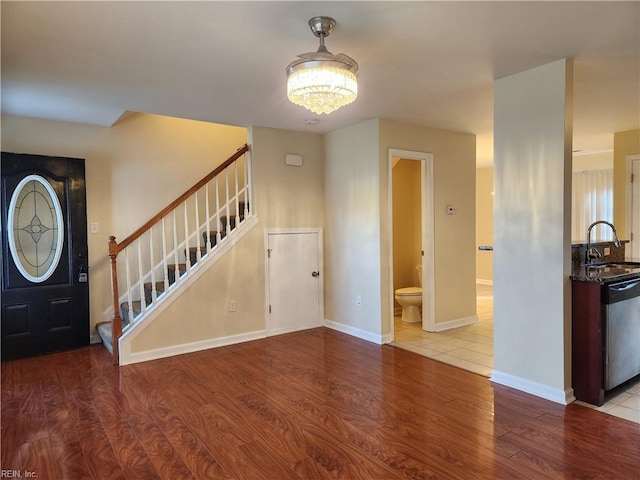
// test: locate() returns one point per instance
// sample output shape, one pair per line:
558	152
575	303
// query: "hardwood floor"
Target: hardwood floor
316	404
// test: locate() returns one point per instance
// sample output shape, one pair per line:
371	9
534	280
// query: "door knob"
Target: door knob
315	274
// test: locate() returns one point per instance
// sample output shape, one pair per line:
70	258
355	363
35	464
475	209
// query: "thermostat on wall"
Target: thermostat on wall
293	160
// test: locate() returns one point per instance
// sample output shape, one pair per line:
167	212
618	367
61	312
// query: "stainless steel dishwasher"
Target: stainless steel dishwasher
622	332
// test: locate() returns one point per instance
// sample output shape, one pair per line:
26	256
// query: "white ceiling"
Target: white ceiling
429	63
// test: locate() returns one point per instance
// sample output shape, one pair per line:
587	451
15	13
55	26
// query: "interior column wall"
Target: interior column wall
532	231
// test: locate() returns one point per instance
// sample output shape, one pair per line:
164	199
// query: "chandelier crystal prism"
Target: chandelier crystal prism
321	81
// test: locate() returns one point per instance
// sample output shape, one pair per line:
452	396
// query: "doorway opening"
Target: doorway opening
469	346
418	250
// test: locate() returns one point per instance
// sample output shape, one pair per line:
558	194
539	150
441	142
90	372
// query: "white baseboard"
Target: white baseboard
128	357
282	331
482	281
356	332
563	397
456	323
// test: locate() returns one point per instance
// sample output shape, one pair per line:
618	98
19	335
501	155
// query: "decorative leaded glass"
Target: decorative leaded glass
35	228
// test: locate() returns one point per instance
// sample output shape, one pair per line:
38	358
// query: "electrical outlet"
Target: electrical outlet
95	227
358	300
232	305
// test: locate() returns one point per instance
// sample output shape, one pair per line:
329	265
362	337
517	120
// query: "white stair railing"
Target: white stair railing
162	250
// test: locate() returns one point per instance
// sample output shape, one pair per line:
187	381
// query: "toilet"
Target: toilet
410	299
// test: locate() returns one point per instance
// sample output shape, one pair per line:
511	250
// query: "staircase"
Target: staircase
153	262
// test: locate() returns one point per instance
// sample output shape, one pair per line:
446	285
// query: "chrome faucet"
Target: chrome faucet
592	253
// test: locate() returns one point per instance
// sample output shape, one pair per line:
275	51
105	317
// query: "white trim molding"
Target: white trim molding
563	397
455	323
356	332
128	358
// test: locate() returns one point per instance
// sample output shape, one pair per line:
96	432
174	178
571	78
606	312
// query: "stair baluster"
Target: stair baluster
154	294
226	189
207	241
165	263
236	196
198	251
218	234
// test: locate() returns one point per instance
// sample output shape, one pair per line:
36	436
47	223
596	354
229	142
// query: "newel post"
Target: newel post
116	323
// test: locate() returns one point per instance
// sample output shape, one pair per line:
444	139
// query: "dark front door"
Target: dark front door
45	289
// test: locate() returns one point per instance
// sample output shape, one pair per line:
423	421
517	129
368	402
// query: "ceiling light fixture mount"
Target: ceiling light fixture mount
321	81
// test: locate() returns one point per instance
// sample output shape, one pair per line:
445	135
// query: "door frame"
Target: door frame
635	243
428	258
281	231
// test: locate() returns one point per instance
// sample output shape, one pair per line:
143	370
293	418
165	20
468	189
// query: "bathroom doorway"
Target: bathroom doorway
419	251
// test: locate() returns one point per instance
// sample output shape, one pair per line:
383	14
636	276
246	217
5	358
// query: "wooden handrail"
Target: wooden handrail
135	235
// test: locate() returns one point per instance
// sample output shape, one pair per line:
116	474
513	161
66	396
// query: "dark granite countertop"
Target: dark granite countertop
607	273
583	243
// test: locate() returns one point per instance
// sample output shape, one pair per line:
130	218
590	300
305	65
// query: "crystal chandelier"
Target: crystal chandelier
321	81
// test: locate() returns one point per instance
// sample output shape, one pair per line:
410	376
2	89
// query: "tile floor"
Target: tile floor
471	348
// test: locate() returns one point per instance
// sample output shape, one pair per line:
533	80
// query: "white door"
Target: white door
635	209
294	297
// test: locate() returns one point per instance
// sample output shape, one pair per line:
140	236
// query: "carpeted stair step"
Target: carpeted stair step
171	271
148	295
213	237
231	220
104	330
193	254
124	312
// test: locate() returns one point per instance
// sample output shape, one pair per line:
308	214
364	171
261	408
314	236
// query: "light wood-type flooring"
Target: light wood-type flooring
315	404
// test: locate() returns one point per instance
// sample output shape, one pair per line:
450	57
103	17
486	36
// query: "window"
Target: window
592	199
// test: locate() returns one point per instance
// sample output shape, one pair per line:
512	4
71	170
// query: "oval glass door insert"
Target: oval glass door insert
35	228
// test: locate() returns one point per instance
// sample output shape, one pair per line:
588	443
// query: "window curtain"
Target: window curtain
592	199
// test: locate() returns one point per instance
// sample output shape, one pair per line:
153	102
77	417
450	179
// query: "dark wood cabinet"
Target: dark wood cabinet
588	342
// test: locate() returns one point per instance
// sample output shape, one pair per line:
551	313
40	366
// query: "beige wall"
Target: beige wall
624	144
592	161
484	223
359	229
352	235
284	197
407	223
454	157
119	163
